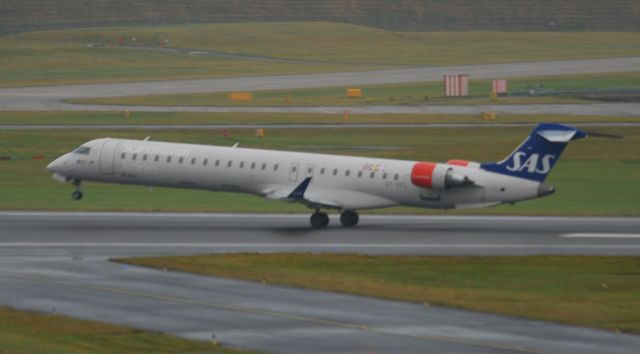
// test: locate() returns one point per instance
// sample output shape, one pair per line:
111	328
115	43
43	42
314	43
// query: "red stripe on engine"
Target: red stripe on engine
422	174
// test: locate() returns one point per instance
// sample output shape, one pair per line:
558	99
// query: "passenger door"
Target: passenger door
107	157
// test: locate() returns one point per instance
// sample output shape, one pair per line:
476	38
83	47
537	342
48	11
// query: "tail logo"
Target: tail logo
531	164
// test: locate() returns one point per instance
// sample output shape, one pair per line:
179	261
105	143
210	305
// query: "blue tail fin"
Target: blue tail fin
537	154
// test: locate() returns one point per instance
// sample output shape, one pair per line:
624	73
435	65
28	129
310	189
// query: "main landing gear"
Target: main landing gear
77	194
320	220
349	218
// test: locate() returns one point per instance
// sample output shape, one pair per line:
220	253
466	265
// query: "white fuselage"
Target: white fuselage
345	182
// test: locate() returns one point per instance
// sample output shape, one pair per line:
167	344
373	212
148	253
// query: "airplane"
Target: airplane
321	181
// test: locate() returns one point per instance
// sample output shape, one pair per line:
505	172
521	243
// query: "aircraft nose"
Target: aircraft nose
56	165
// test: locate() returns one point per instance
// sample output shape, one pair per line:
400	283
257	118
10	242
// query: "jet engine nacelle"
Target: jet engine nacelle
464	163
437	176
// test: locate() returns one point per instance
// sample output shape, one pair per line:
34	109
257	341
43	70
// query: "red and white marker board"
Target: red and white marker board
456	85
499	86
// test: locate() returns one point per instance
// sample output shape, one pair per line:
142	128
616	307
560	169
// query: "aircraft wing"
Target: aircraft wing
315	197
300	195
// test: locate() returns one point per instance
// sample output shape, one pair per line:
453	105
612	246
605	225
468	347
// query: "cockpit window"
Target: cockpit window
83	150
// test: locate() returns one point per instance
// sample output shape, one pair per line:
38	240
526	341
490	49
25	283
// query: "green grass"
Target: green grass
236	118
64	57
343	43
28	332
593	291
395	94
594	176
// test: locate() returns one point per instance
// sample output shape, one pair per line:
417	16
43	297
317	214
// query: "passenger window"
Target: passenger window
242	164
347	173
205	162
359	174
168	159
229	163
144	157
253	165
275	167
122	156
372	174
135	156
180	160
193	161
395	177
264	166
217	163
157	158
294	168
384	175
335	171
322	171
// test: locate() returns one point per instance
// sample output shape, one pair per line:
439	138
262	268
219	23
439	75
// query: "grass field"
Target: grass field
594	177
27	332
343	43
92	55
396	94
178	118
591	291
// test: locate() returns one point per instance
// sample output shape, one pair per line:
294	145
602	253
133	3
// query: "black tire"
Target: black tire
319	220
76	195
349	218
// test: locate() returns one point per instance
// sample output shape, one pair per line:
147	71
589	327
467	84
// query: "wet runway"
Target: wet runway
130	234
58	262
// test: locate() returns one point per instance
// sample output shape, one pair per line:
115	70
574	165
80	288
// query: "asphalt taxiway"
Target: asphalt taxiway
48	98
295	126
595	109
58	262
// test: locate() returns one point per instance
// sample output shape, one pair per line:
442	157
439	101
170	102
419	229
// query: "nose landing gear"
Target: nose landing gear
77	194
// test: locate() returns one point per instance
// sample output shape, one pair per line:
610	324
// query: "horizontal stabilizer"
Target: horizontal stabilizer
604	135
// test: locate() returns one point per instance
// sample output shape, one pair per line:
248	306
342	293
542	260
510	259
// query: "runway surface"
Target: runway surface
51	97
132	234
58	262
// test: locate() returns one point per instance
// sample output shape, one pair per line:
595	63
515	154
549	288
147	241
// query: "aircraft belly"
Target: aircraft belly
354	200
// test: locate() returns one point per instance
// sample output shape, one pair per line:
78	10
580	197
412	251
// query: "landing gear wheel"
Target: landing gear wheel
319	220
77	194
349	218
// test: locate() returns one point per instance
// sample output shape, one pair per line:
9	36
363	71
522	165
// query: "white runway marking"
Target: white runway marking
603	235
297	245
164	215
